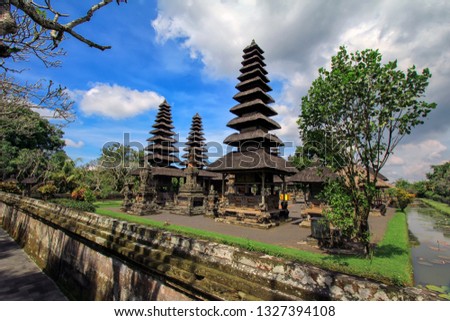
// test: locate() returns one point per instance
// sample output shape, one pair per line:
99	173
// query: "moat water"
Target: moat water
430	250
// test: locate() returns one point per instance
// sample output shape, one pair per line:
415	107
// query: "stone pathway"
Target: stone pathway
287	234
20	278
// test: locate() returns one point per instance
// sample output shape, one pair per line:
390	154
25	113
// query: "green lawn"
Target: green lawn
442	207
390	264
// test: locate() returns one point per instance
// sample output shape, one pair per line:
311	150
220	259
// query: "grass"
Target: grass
390	264
441	207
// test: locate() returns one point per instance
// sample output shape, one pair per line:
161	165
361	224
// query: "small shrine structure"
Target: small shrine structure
251	197
191	198
156	189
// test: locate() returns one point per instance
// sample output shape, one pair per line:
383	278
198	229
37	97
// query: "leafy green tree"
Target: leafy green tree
28	141
119	161
439	182
62	170
365	107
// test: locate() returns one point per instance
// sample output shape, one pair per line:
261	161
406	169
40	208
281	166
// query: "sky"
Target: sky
189	53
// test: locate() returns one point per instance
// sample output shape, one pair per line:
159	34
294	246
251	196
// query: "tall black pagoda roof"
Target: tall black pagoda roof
161	149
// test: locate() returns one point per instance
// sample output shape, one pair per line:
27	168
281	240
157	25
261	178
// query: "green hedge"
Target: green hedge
77	205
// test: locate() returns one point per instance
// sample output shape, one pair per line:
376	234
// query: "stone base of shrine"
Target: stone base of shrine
251	217
188	203
141	209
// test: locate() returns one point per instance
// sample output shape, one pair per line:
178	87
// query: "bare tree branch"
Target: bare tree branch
34	12
48	99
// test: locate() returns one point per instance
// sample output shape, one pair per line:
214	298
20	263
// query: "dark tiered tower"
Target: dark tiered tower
253	113
252	197
196	151
161	145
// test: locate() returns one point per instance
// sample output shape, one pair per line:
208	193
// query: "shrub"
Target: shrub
47	191
77	205
340	212
83	194
9	187
89	196
403	198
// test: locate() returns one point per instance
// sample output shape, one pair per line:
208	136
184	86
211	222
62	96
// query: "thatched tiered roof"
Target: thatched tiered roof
253	121
196	151
252	160
313	174
161	145
253	113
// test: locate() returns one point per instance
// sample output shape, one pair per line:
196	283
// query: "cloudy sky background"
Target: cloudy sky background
189	52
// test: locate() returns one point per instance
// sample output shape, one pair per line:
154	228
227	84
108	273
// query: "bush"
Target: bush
340	212
9	187
83	194
47	191
403	198
77	205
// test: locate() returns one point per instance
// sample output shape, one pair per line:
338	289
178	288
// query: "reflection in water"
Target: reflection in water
431	257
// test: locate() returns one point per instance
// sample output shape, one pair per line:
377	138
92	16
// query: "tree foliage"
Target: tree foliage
28	141
438	184
362	108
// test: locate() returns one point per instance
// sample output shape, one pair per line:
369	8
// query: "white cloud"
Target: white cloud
412	161
395	160
299	37
71	143
115	101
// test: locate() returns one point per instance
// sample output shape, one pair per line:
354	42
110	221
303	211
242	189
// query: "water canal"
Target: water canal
430	250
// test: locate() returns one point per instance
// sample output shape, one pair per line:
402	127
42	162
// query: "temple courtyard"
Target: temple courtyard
287	234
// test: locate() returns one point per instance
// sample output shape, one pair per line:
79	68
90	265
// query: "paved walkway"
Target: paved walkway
20	278
287	234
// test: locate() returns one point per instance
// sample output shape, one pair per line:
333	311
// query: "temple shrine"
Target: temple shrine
251	196
191	196
156	189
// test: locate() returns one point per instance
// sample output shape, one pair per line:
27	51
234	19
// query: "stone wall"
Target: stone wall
98	258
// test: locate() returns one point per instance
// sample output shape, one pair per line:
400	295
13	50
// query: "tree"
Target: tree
365	108
35	27
27	142
119	161
47	98
439	183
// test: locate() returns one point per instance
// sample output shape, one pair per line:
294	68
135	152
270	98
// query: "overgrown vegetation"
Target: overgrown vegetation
436	187
390	262
400	197
441	207
74	204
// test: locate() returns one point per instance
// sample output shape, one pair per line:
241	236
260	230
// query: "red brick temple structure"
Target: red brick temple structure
156	187
251	197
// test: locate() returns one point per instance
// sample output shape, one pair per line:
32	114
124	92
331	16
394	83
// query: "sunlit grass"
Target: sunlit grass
441	207
390	264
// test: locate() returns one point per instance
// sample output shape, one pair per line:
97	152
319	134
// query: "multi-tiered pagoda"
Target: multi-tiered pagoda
191	199
156	188
252	197
195	151
161	147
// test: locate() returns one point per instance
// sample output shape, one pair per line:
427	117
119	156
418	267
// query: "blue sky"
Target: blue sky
189	52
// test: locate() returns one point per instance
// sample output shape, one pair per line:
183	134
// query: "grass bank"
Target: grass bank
390	263
441	207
